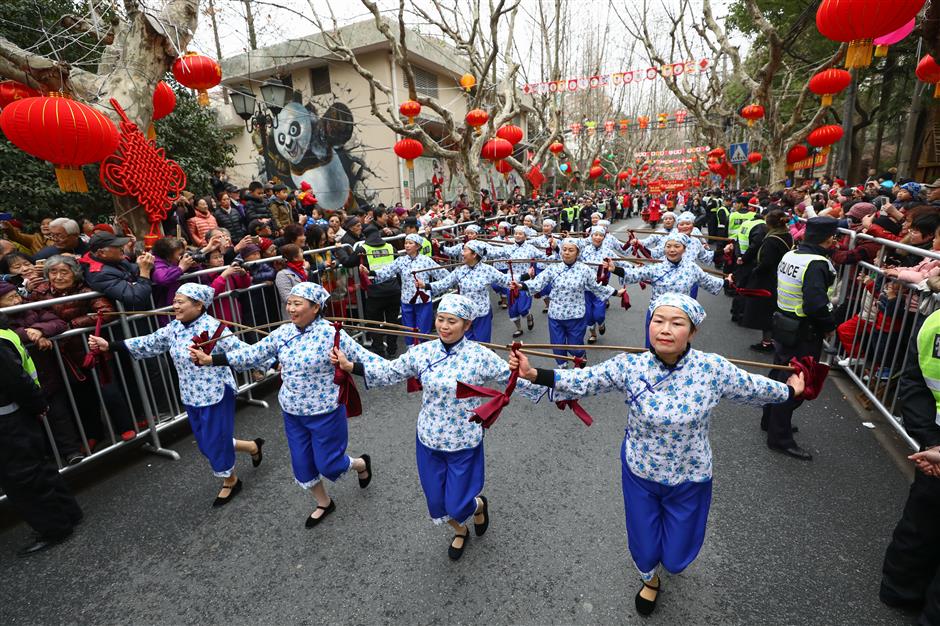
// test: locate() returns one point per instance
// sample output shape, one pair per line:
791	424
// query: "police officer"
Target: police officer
382	300
805	277
31	482
911	571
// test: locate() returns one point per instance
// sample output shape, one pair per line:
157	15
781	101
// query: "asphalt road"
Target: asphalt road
788	542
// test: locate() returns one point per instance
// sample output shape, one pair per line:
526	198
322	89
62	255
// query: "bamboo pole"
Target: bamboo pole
643	231
635	350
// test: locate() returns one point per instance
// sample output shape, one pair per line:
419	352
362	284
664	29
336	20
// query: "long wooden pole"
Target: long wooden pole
635	350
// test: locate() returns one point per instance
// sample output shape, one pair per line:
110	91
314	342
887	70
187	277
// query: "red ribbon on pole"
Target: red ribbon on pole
348	394
364	275
206	343
513	289
487	414
625	300
95	357
419	295
814	375
603	274
574	405
754	293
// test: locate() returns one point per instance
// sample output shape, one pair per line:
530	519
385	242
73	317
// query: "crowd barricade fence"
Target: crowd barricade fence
878	315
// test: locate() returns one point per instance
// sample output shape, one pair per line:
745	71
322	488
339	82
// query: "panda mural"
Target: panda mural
308	147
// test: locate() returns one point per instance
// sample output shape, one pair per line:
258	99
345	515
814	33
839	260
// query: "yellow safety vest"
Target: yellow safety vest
27	361
928	356
379	255
744	233
735	220
790	273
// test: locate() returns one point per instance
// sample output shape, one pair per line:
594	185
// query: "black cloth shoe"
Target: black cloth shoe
256	458
529	321
760	346
364	482
313	521
601	328
455	553
516	334
793	450
592	339
480	528
233	491
643	606
41	544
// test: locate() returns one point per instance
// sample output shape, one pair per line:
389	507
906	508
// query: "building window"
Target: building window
320	80
425	82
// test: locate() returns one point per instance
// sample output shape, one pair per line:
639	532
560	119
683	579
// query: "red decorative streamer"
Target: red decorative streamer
348	394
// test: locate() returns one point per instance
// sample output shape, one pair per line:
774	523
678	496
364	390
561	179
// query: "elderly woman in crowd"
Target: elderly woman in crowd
63	277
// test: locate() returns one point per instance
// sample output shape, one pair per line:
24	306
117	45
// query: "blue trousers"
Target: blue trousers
693	293
451	481
665	525
214	429
481	329
521	305
569	332
595	309
317	445
419	315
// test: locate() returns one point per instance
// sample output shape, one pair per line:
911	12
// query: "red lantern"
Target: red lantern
754	158
409	149
929	72
595	172
622	176
164	101
634	181
645	168
410	109
703	174
11	91
67	133
717	153
496	149
595	162
828	83
477	118
859	23
643	121
512	134
752	113
825	136
797	154
198	72
556	147
503	167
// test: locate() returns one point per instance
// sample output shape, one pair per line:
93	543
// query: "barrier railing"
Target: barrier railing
878	314
90	418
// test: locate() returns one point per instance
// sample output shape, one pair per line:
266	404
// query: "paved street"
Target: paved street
788	542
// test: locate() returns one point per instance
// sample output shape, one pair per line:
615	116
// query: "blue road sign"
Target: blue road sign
738	153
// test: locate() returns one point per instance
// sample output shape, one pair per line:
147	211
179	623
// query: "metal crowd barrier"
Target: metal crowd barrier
879	315
142	397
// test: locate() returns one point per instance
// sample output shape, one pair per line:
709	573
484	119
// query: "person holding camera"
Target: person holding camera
805	278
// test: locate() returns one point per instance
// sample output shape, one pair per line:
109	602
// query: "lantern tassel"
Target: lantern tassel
936	91
750	122
827	100
71	179
151	132
203	98
410	164
859	54
881	51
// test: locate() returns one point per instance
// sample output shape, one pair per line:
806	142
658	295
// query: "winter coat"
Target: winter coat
233	221
118	281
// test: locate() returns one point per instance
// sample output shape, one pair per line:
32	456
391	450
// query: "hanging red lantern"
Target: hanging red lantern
11	91
477	118
645	168
929	72
164	101
634	181
622	176
882	43
754	158
503	167
556	148
512	134
496	149
643	121
717	153
198	72
67	133
859	23
595	162
825	136
595	172
797	153
752	113
409	149
410	109
827	83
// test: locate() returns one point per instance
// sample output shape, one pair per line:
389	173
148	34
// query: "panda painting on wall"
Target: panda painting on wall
312	148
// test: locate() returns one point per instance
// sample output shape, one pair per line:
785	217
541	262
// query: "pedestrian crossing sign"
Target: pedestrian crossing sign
739	152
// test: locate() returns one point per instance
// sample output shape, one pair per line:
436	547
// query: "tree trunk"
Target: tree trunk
250	21
778	170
